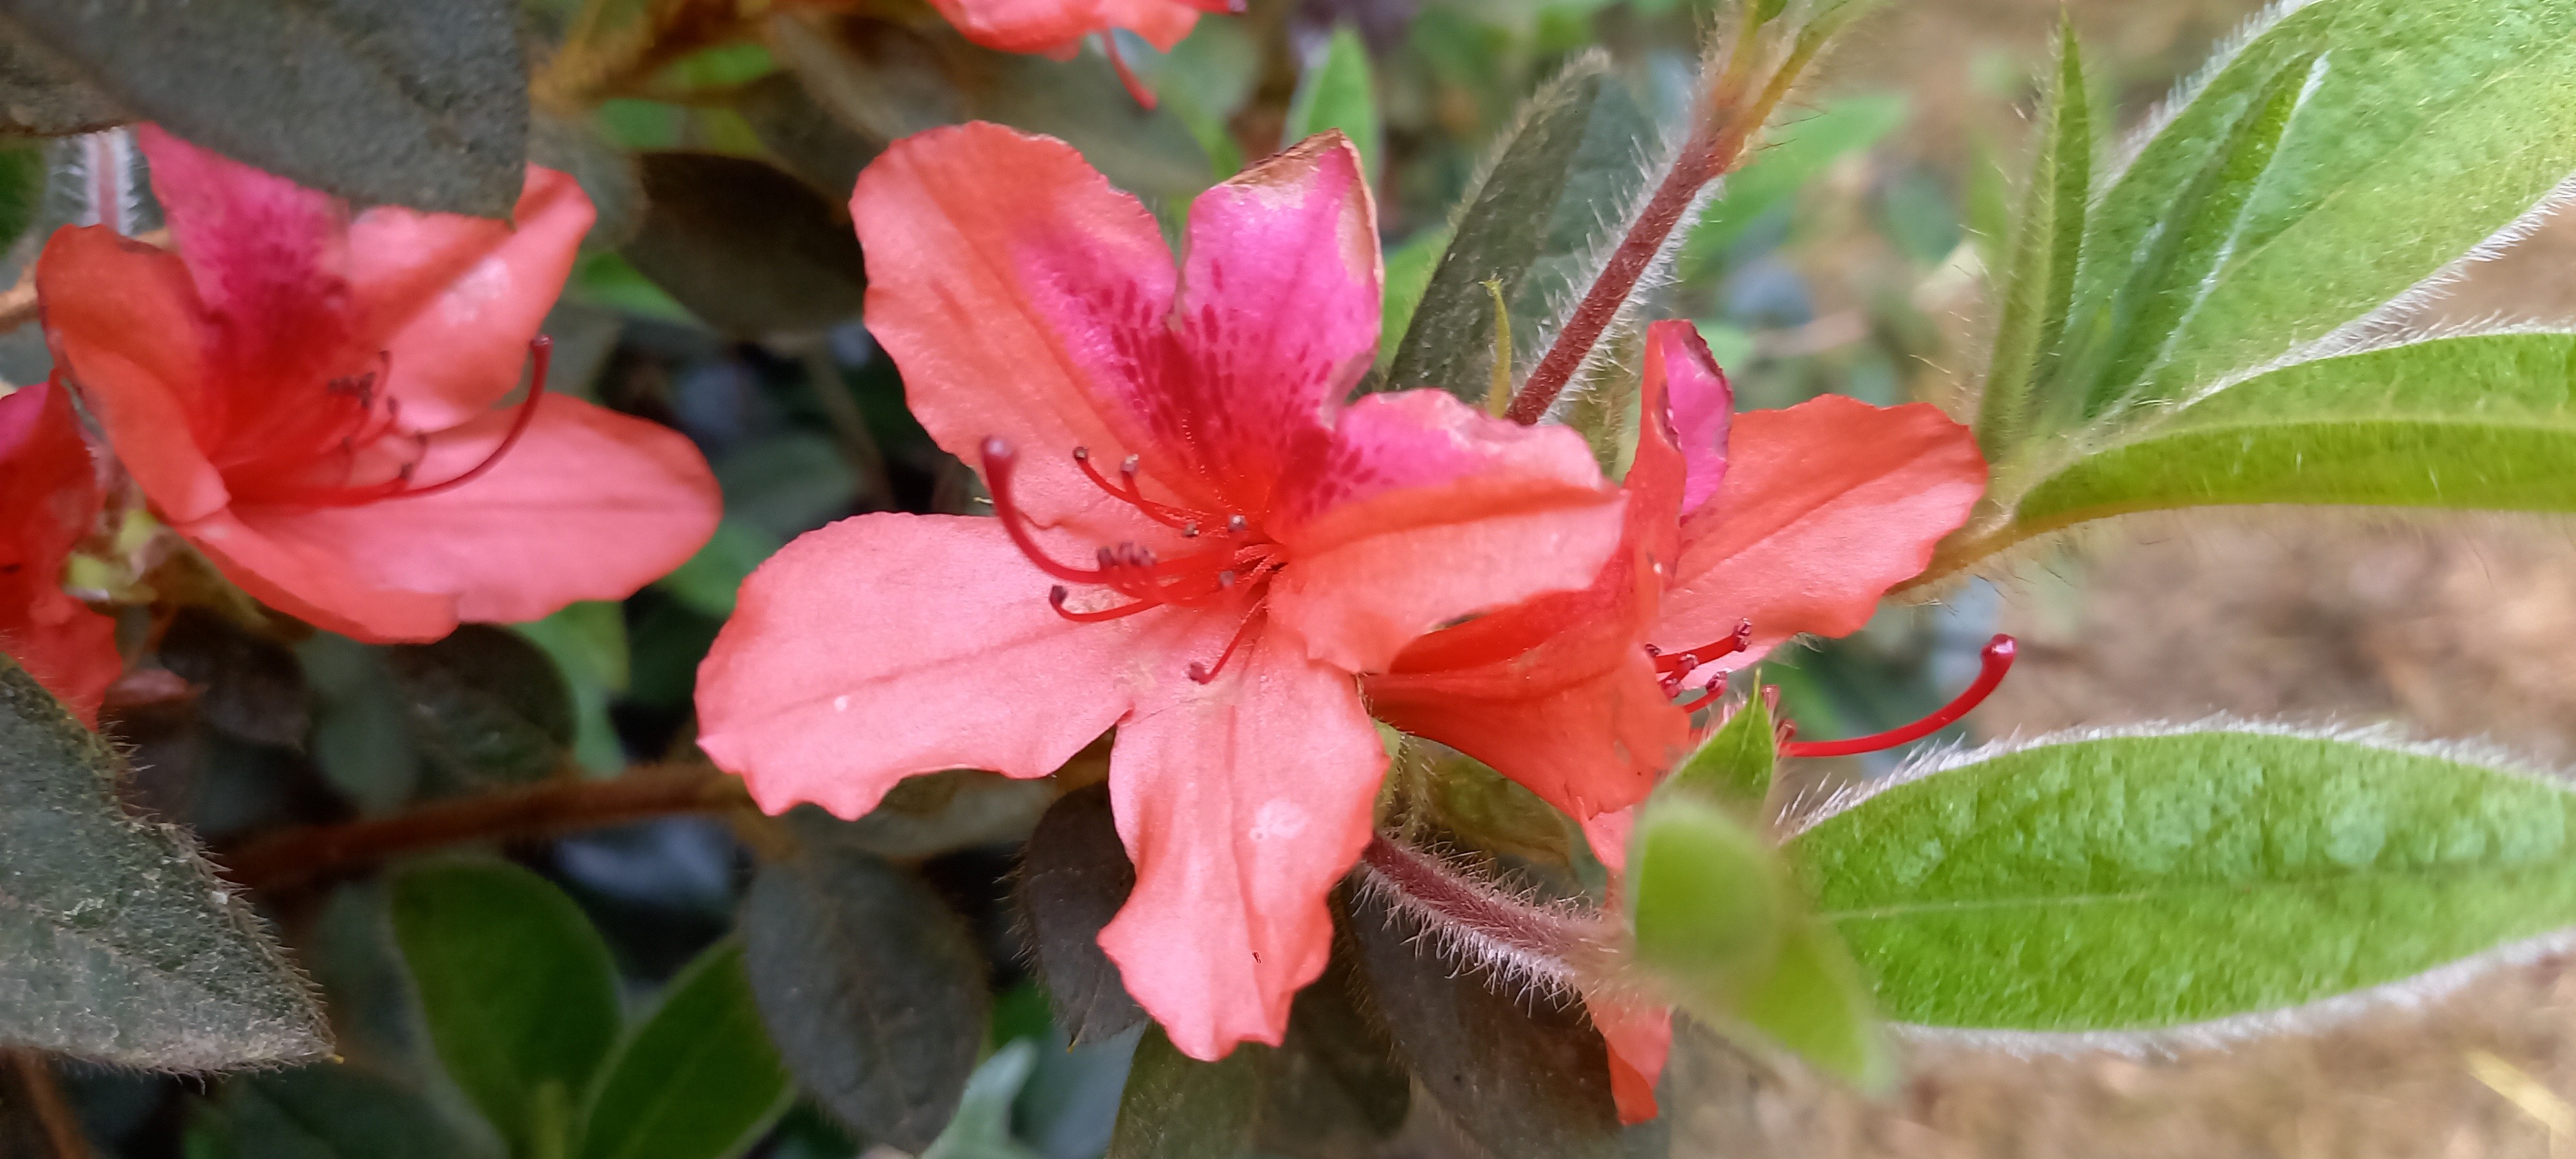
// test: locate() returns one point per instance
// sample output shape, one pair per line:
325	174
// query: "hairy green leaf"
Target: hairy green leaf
519	991
1733	766
1408	275
2425	127
422	105
2477	422
747	248
1074	875
117	941
1542	221
869	986
2155	881
2038	289
1706	894
1815	1003
1177	1107
698	1080
1338	92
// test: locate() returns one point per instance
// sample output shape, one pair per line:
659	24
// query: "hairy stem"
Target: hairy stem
1558	946
297	856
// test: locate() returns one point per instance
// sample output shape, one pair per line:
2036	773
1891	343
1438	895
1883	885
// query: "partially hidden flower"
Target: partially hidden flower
1744	530
49	498
1198	544
312	400
1056	27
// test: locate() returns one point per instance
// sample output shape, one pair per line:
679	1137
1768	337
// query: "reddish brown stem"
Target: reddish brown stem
63	1134
297	856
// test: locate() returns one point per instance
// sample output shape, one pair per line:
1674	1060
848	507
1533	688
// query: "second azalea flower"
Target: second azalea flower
1198	544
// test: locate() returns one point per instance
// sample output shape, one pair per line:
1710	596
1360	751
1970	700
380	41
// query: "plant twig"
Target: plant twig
63	1134
297	856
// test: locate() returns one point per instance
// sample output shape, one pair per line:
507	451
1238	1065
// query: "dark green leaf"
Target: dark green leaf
748	249
1733	767
487	706
1488	810
607	176
1408	275
1541	221
519	991
2152	881
362	733
1337	92
117	942
939	813
422	105
336	1111
806	139
1333	1089
22	180
1177	1107
1521	1074
587	642
1074	875
870	987
709	580
249	684
44	95
698	1080
2038	290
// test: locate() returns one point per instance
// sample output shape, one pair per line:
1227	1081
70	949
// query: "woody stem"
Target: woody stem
297	856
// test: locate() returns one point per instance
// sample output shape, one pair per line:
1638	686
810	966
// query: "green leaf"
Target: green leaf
117	941
1796	153
519	991
1543	220
1204	81
2427	127
1074	876
335	1111
487	706
362	738
2475	422
587	641
22	176
1333	1089
2144	882
422	105
2038	290
698	1080
1815	1003
1733	766
710	579
1336	91
808	141
1524	1076
870	987
249	684
1408	276
982	1128
747	248
1706	894
1176	1107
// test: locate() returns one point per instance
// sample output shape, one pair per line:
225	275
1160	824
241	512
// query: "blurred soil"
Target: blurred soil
2448	627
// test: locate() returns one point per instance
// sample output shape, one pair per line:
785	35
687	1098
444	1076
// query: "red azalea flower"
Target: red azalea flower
1056	27
49	497
1198	544
1743	532
309	399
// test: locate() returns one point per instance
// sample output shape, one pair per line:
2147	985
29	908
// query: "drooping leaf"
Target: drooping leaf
2134	883
1541	221
2425	127
1521	1074
870	988
487	706
1733	766
1074	875
982	1128
2475	422
334	1111
2038	290
1797	152
697	1080
1337	91
422	105
117	941
519	991
1176	1107
747	248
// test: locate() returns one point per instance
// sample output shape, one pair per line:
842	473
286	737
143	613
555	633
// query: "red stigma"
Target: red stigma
1998	659
1131	569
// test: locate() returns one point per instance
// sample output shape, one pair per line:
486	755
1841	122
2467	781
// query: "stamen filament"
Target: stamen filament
1998	659
542	349
1679	664
1206	673
999	461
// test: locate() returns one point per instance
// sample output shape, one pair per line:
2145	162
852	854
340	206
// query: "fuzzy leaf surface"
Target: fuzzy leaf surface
118	943
2146	882
698	1080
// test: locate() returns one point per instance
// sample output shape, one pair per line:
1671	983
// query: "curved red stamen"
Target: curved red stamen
1135	87
1678	664
1134	495
999	461
1058	594
1206	673
1998	658
542	349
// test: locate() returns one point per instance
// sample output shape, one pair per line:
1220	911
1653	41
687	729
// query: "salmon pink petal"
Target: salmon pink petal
1009	281
283	563
1163	23
1639	1036
1825	506
1241	802
49	499
1037	26
884	646
454	300
1698	402
1607	834
123	321
1277	318
588	505
1591	744
1427	511
270	260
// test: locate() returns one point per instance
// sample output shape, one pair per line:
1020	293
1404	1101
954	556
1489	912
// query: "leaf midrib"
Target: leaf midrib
2195	889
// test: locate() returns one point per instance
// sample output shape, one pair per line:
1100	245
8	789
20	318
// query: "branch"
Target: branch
298	856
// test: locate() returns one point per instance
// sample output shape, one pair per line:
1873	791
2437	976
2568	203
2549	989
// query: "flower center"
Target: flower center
353	428
1239	562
